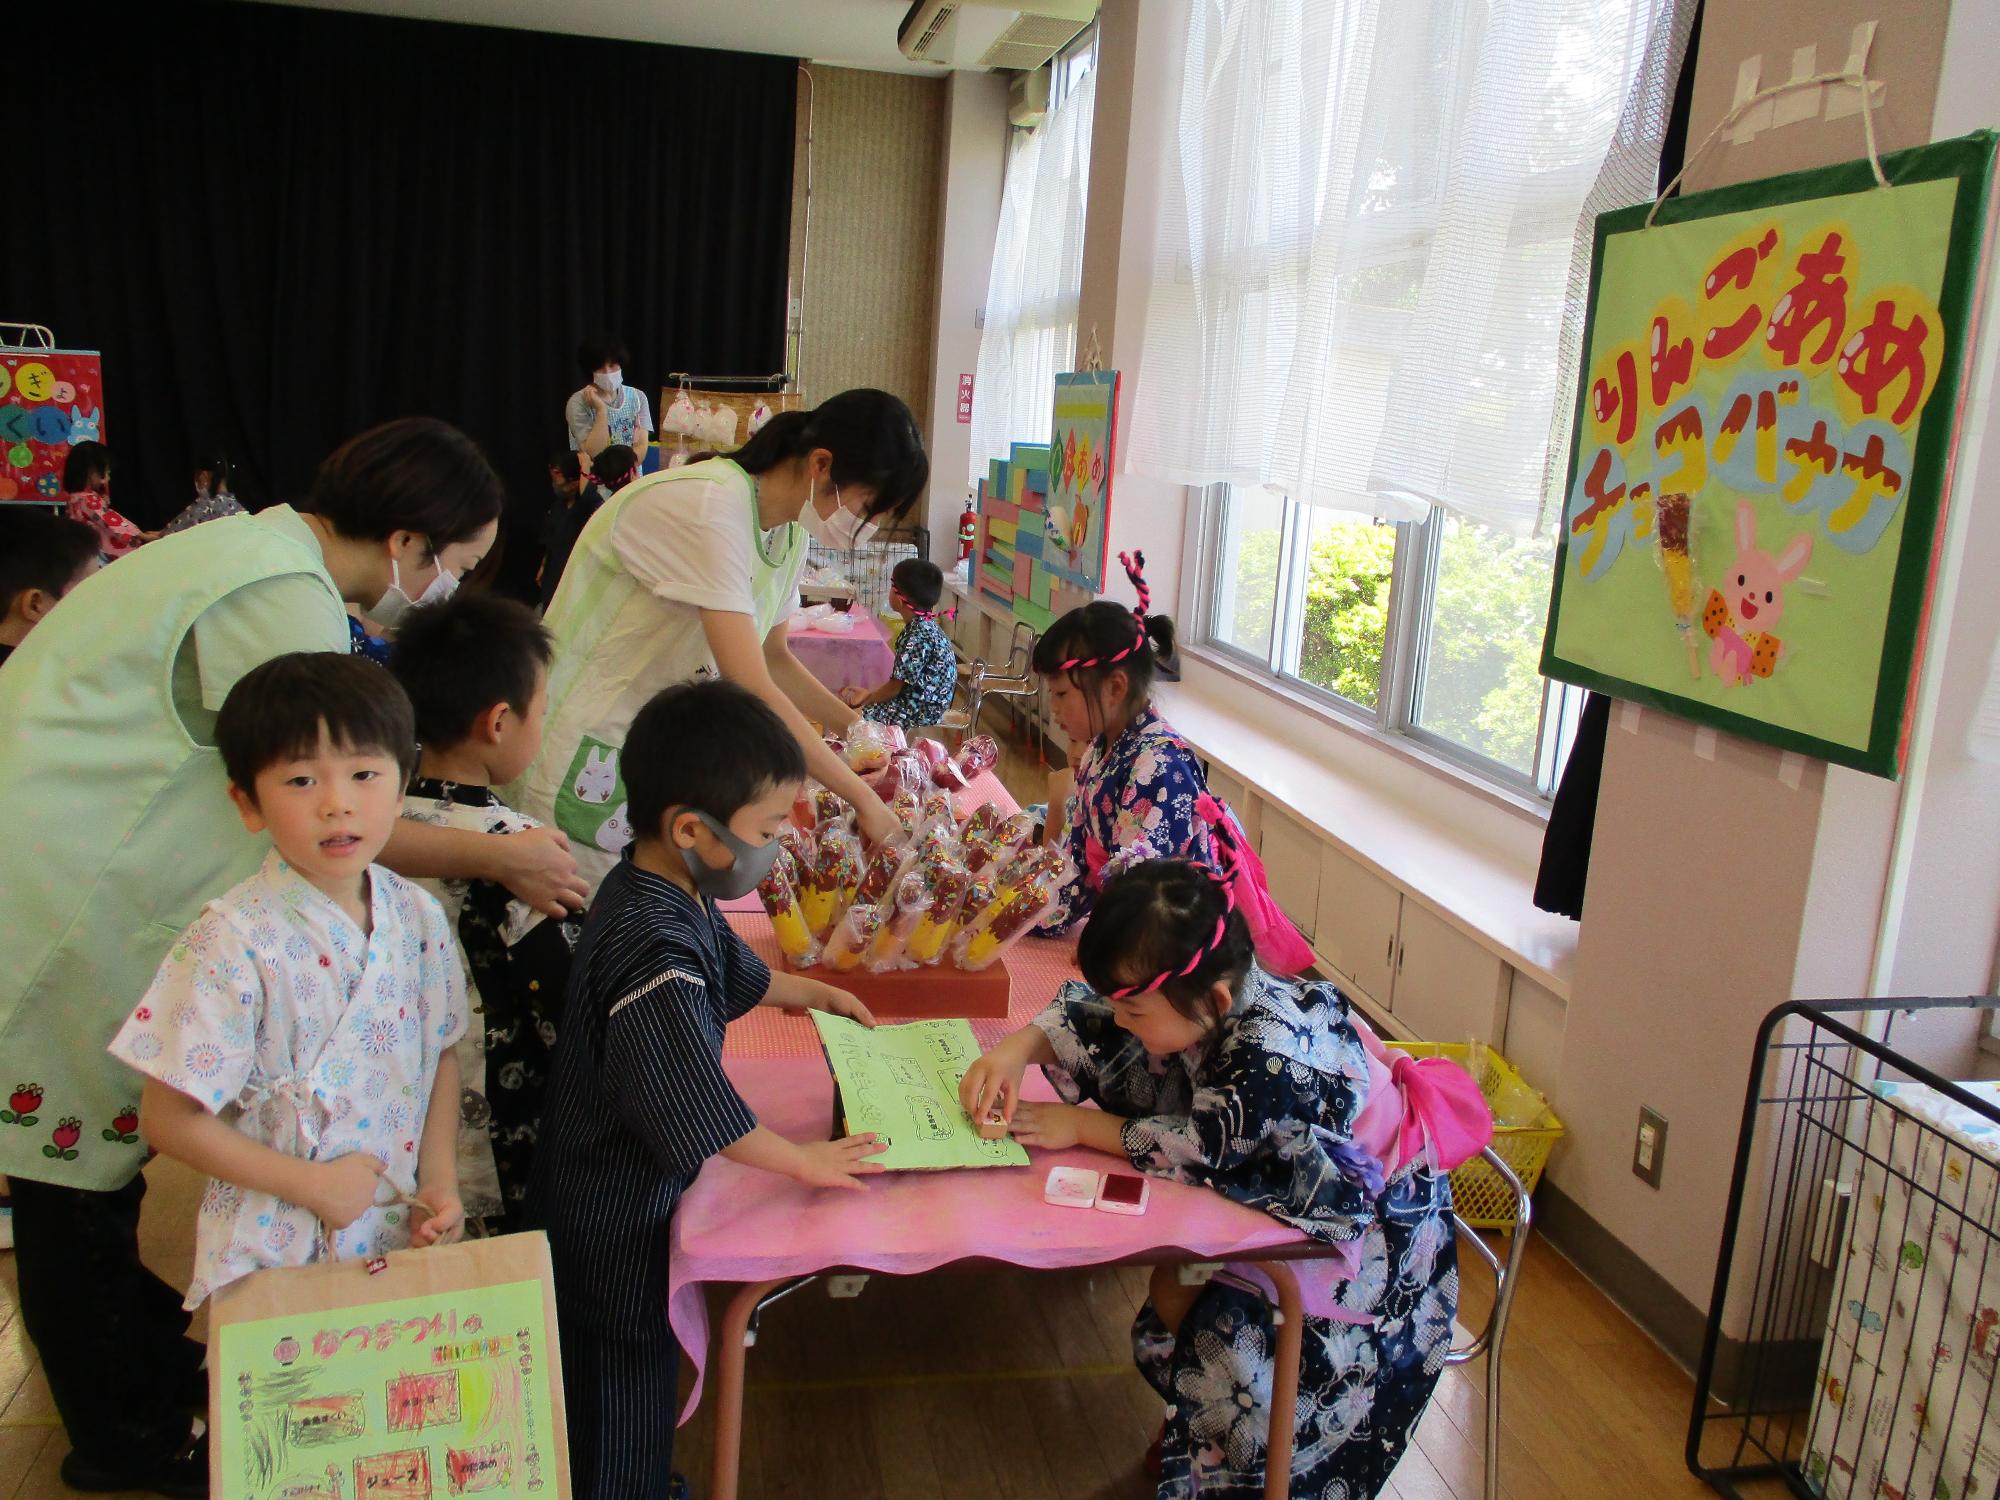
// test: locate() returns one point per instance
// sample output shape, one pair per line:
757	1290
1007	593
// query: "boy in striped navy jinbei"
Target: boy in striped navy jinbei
639	1099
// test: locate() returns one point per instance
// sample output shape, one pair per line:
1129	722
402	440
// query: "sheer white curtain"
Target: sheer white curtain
1374	243
1030	331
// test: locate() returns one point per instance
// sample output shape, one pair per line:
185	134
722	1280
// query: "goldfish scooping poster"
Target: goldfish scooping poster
454	1390
50	400
1767	409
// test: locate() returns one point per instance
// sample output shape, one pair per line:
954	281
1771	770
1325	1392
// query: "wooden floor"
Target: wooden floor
1020	1386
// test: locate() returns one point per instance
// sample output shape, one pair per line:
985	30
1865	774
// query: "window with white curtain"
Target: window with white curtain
1361	341
1031	296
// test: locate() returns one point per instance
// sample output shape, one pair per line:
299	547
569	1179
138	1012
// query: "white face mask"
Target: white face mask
394	604
608	381
843	530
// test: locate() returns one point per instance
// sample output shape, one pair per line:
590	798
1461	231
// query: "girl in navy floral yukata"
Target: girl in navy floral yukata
1136	791
1208	1070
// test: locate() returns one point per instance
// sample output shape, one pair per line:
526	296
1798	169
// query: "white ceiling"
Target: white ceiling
844	33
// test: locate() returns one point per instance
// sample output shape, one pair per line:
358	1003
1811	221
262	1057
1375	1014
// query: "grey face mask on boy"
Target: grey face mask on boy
743	875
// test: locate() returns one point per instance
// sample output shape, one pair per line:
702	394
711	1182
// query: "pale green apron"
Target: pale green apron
119	828
610	660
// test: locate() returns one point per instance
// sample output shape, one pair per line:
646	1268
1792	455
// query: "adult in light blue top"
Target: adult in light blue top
606	410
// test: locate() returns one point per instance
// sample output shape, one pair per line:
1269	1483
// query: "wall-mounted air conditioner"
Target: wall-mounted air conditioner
991	33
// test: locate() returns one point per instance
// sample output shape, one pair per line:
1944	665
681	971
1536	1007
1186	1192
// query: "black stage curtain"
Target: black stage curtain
282	225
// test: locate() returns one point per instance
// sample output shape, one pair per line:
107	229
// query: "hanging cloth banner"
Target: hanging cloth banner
1769	402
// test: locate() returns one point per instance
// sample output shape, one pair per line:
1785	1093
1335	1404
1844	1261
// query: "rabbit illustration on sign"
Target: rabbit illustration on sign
615	832
599	776
1741	616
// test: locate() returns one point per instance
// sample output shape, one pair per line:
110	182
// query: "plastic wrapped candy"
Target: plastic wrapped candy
979	754
988	836
949	883
914	898
981	891
780	893
1031	862
827	806
906	773
1015	833
933	756
985	821
801	846
939	813
909	810
1003	924
870	746
849	941
879	869
836	872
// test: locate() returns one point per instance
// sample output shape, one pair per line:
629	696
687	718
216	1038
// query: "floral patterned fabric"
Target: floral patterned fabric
116	536
205	508
1134	800
317	1038
517	971
1266	1115
928	672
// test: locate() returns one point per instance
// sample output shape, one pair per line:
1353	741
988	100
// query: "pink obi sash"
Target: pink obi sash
1415	1107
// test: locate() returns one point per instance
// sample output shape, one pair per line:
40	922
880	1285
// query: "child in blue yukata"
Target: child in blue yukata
1208	1070
640	1099
476	668
297	1041
920	685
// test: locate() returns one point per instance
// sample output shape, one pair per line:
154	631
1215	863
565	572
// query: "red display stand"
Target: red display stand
926	994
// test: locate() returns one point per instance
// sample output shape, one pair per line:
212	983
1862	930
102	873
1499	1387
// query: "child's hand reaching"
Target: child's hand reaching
993	1082
838	1002
853	697
446	1225
1053	1127
836	1164
342	1190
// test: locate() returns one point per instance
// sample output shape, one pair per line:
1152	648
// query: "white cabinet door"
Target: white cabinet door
1354	930
1536	1020
1448	988
1291	856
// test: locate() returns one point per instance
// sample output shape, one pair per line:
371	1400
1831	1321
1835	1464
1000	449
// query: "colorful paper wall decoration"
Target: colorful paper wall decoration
1028	493
50	399
1787	356
1082	450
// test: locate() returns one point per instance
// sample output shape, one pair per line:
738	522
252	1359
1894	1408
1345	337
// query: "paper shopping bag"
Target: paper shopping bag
427	1372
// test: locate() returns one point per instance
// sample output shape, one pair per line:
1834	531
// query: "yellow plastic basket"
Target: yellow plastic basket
1525	1130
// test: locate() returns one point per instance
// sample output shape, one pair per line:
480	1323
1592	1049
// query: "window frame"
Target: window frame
1405	648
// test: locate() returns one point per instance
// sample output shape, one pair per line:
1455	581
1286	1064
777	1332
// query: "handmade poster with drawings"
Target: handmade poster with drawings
1081	459
50	400
439	1375
901	1083
1768	405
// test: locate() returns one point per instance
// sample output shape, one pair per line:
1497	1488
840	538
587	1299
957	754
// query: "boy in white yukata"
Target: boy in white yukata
476	668
297	1041
640	1098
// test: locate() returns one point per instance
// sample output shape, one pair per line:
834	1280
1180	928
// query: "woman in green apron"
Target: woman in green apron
112	797
697	570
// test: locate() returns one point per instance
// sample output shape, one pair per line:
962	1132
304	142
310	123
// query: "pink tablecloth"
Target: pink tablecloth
858	658
737	1224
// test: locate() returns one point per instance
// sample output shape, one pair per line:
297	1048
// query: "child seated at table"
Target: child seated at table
1210	1071
297	1041
920	684
476	668
1135	790
640	1099
42	557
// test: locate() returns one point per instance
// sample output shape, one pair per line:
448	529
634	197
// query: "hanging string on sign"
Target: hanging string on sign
1857	78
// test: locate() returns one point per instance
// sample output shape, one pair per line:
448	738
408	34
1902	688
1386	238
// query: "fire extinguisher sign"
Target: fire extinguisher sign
965	399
